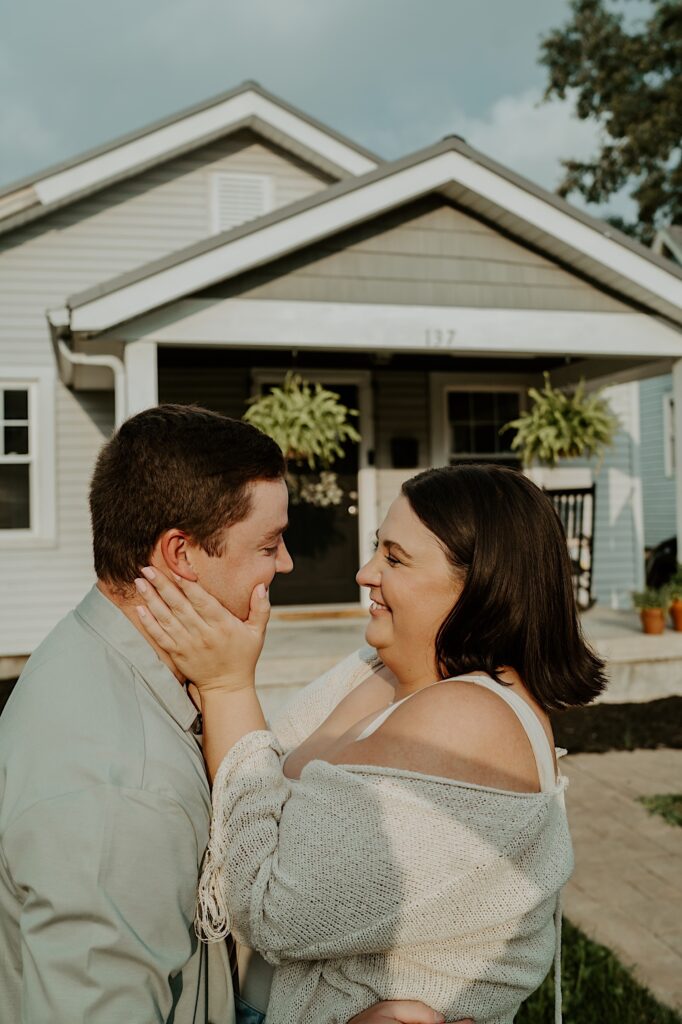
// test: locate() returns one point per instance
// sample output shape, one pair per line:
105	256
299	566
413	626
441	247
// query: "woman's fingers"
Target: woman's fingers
166	616
203	603
157	590
164	640
400	1011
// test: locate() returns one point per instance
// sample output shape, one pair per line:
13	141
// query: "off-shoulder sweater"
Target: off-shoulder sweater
362	883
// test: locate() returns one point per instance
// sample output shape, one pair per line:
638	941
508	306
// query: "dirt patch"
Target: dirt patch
603	727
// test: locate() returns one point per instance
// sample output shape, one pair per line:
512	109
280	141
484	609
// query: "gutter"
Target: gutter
67	360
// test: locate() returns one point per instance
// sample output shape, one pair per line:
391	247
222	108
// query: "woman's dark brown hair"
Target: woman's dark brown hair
517	608
174	466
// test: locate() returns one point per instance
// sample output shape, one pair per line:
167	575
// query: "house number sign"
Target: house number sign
438	337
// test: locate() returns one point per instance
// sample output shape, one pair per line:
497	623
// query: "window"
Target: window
474	422
26	457
15	458
669	434
236	198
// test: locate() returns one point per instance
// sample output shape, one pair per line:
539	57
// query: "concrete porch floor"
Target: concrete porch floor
301	645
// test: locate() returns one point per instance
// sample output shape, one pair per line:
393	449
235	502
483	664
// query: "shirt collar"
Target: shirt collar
111	624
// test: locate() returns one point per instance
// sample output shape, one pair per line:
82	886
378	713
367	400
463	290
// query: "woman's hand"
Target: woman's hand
209	644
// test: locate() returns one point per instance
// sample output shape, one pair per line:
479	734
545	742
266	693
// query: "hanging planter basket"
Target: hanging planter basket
311	425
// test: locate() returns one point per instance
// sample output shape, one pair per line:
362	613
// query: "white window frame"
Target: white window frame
441	384
214	204
669	434
40	384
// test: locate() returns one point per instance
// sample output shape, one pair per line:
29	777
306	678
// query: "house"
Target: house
197	260
657	430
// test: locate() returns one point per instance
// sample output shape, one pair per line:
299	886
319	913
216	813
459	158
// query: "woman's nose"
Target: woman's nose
368	574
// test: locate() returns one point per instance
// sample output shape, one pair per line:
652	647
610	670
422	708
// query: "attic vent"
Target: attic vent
236	198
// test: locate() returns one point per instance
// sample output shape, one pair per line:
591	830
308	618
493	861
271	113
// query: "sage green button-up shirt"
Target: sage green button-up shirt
104	818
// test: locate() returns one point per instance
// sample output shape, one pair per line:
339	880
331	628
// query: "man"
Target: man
104	802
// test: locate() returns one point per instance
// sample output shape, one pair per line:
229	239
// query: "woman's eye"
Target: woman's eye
391	560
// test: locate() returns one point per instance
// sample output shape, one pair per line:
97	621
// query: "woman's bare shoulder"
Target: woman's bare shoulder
457	730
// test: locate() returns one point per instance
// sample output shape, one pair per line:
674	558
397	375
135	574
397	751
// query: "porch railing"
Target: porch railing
575	507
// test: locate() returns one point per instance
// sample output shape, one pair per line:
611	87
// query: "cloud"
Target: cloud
532	137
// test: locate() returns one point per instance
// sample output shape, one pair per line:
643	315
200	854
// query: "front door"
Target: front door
323	542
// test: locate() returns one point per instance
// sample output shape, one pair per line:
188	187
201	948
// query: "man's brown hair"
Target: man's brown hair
174	466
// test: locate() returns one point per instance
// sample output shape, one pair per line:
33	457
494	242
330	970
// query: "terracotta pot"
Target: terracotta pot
676	614
653	620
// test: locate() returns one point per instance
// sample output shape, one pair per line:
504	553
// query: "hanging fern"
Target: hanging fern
563	425
311	426
309	423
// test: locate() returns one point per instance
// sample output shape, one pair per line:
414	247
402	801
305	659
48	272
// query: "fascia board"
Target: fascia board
190	131
455	330
357	203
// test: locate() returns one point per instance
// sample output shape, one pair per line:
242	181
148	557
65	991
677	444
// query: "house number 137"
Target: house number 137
436	337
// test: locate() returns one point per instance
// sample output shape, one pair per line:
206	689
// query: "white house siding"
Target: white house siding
618	542
658	490
41	264
428	253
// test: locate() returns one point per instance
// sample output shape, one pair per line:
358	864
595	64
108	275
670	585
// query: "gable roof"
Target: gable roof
452	168
247	106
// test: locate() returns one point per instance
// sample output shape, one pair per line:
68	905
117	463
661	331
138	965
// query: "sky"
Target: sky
394	75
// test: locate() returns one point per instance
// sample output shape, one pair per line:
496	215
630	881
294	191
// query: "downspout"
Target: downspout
67	360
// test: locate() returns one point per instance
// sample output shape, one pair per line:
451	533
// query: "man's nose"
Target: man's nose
284	562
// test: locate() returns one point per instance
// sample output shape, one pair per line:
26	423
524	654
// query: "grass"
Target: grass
667	805
596	989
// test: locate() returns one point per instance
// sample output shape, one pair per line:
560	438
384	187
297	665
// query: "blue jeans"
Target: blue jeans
247	1014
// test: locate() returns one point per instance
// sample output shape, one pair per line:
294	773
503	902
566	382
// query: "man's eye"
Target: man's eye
271	551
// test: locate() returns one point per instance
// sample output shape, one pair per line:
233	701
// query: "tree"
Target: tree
628	77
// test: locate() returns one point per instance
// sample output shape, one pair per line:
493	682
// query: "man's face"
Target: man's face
254	550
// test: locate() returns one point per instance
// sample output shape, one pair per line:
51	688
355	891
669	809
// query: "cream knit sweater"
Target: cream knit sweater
362	883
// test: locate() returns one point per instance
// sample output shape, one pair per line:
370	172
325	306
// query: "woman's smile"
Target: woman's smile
378	607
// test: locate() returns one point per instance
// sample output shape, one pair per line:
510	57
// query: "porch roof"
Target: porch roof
451	168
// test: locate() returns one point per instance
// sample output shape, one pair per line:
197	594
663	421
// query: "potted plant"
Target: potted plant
311	426
562	425
674	595
652	605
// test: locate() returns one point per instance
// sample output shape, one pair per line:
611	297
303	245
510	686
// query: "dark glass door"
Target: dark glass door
323	542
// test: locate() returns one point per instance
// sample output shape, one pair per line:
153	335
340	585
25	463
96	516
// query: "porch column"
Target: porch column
142	384
677	428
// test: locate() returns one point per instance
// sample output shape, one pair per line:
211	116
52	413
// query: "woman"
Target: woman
402	832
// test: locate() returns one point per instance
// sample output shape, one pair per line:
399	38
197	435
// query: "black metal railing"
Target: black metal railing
575	507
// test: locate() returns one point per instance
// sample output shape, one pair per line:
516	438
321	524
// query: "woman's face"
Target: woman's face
413	588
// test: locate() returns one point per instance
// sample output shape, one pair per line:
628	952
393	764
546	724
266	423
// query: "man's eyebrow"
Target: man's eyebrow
276	532
394	544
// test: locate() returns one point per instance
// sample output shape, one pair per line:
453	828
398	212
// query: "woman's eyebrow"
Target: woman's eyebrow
394	544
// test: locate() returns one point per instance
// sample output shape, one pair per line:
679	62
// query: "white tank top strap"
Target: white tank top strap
527	717
537	737
383	715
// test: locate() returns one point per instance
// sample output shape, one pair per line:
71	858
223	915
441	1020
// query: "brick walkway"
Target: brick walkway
626	892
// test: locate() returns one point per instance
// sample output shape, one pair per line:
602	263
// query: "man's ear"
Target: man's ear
173	550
